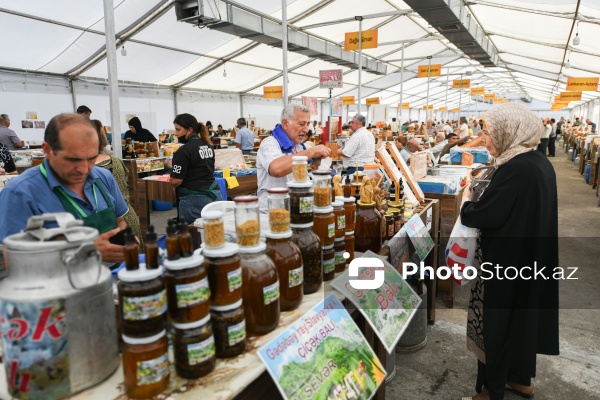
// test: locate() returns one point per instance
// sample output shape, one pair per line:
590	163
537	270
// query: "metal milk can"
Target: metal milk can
57	314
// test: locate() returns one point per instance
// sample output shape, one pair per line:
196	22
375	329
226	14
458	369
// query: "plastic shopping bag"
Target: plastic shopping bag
461	250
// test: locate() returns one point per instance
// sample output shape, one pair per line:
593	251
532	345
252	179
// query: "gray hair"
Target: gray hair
361	119
289	111
3	119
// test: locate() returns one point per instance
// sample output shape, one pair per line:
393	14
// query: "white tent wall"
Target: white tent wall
214	107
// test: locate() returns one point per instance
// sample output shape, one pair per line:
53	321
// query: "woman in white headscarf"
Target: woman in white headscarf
511	320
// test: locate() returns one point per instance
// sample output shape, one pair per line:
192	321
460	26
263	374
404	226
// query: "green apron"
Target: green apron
104	220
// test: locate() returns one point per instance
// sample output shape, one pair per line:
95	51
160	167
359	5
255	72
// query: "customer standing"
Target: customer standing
545	138
552	139
193	171
359	148
137	133
8	137
463	130
510	321
244	138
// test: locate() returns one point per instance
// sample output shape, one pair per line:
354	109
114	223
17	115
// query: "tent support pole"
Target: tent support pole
73	96
446	104
113	83
284	48
401	87
359	59
175	102
428	80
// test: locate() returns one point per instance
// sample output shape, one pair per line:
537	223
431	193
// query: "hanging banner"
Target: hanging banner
582	84
404	106
311	103
435	70
455	110
323	355
372	101
430	107
348	100
331	78
477	90
442	109
571	96
489	96
337	105
369	40
461	84
273	92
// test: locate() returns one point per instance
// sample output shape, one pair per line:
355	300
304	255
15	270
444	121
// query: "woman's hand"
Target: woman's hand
467	194
2	171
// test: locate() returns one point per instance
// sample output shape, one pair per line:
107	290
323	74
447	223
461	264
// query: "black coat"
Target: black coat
141	134
518	219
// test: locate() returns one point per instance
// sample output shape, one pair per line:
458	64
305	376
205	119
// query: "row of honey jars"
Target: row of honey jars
306	239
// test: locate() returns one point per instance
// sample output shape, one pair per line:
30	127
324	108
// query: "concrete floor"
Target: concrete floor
445	370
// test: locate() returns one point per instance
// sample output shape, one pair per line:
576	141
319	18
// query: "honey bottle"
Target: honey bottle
172	241
151	249
185	239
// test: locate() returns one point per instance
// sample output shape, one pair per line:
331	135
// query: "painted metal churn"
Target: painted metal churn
57	315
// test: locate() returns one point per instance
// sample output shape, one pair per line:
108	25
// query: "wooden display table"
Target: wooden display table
449	212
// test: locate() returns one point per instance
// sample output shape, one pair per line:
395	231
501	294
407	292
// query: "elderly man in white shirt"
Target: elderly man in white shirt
360	148
463	130
440	142
274	158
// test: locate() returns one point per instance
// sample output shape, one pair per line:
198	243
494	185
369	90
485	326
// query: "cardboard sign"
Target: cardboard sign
404	106
435	70
477	90
388	309
369	40
348	100
331	78
372	101
323	355
570	96
582	84
273	92
419	236
311	103
461	84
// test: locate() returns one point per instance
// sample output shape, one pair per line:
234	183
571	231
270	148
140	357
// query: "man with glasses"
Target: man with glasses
360	148
274	158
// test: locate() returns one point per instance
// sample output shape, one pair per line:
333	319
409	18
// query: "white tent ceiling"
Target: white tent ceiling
533	38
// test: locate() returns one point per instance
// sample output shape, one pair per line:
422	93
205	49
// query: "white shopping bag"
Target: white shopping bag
461	249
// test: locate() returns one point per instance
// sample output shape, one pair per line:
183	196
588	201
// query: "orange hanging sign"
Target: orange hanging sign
348	100
430	107
582	84
442	109
372	101
405	106
461	84
369	40
489	96
455	110
273	92
570	96
477	90
435	70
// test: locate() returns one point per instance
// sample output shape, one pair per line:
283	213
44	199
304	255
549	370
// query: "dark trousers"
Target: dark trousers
552	146
495	384
543	146
352	170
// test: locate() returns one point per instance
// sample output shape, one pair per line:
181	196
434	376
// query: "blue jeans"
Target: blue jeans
191	205
352	170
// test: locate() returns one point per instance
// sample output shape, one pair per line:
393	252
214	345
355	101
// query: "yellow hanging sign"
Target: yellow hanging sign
405	106
348	100
435	70
430	107
461	84
273	92
571	96
369	40
489	96
442	109
477	90
372	101
455	110
582	84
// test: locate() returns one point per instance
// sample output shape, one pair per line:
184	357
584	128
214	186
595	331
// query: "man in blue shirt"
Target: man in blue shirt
67	181
244	139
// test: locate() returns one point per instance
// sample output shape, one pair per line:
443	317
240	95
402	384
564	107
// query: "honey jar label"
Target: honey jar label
296	277
341	221
307	204
236	333
234	279
331	230
190	294
145	307
391	228
202	351
339	257
152	371
271	293
328	266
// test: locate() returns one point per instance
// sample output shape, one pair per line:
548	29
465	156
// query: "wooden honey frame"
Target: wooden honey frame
408	177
